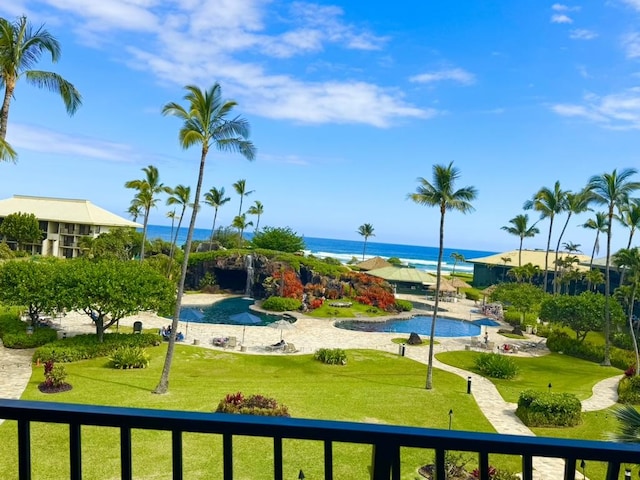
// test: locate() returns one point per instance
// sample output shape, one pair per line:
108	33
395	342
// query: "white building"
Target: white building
63	221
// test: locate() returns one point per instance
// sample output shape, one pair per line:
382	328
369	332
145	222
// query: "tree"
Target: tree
20	49
172	215
279	239
119	243
526	272
456	257
180	196
108	290
215	198
7	154
241	189
441	194
520	228
135	209
206	124
148	188
549	203
571	247
629	216
256	209
523	297
629	259
240	222
599	224
505	260
611	189
366	230
21	228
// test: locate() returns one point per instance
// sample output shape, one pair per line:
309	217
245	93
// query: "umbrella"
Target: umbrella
190	314
245	318
458	283
282	325
444	287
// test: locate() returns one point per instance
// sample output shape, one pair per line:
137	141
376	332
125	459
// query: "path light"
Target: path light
468	385
583	465
549	387
627	474
301	475
450	418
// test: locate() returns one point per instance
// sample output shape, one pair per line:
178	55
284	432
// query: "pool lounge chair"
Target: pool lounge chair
276	347
231	342
289	348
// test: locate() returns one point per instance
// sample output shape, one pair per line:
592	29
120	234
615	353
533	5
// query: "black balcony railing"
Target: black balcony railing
386	440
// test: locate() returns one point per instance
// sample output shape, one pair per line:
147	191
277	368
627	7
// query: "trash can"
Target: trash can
196	341
401	349
529	329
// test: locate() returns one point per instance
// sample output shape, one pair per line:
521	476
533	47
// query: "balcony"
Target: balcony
386	440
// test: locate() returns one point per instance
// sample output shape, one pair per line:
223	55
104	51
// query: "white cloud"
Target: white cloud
560	18
633	3
582	34
456	74
631	44
619	111
559	7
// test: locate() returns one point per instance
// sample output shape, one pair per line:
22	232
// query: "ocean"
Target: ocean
423	258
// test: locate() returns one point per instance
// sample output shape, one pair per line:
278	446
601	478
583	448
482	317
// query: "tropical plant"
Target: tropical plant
599	224
441	194
215	198
181	196
278	238
135	209
206	124
20	49
366	230
525	273
256	209
571	247
505	260
629	260
628	425
456	257
241	189
549	203
21	228
172	215
629	216
240	222
7	153
520	227
146	197
611	189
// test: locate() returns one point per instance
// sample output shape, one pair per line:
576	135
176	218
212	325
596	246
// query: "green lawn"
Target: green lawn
566	374
356	309
373	387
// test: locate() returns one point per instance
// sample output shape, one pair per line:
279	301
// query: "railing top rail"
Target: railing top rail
309	429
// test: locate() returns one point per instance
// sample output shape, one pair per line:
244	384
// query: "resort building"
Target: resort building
63	222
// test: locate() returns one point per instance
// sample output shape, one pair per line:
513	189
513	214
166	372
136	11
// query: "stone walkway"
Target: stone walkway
310	334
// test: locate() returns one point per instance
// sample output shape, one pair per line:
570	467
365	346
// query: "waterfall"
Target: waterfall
248	261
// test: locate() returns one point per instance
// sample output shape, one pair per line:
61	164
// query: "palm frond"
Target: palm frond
55	83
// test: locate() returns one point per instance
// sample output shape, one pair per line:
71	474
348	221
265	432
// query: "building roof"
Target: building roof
403	274
373	263
63	210
535	257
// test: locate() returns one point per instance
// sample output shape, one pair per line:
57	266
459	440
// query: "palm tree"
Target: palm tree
240	222
611	189
135	209
456	257
172	215
181	196
629	216
599	224
505	260
148	189
366	230
628	425
629	259
7	154
206	124
441	194
241	189
520	228
549	203
215	198
20	49
256	209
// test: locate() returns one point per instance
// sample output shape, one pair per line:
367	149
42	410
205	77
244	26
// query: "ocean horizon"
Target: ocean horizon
420	257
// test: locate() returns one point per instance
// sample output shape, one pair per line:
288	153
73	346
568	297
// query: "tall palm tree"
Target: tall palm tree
629	258
574	203
629	216
20	49
256	209
366	230
456	257
611	189
240	222
505	260
440	193
571	247
215	198
599	224
172	215
520	228
205	123
549	203
241	189
135	209
148	188
180	196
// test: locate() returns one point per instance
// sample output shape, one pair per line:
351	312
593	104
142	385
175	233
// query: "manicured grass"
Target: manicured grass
373	387
566	374
514	336
405	340
356	309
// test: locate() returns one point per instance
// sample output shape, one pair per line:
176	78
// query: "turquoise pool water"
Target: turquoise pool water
445	327
220	312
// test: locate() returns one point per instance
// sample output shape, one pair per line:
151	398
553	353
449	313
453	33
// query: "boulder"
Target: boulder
414	339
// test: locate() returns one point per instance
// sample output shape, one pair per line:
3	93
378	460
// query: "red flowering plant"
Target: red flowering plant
252	405
292	286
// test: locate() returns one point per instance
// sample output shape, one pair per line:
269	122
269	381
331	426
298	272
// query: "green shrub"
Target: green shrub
472	294
549	409
252	405
629	390
83	347
514	317
404	305
561	342
496	366
281	304
40	336
129	357
331	356
54	375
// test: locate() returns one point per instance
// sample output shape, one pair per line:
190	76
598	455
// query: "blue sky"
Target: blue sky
349	102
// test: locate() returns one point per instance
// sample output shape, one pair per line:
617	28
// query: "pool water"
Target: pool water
445	327
220	312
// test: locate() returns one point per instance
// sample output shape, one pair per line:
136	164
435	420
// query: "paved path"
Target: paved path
310	334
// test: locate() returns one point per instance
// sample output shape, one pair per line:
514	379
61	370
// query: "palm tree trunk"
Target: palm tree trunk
593	254
555	268
628	247
520	252
257	225
364	248
144	233
546	256
10	85
633	336
607	293
432	334
163	385
213	227
175	239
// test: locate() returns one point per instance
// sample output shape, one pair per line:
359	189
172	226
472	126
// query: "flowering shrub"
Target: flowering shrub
252	405
54	378
292	287
316	303
630	372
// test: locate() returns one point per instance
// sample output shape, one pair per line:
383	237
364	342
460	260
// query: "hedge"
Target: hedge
13	332
549	409
561	342
629	390
281	304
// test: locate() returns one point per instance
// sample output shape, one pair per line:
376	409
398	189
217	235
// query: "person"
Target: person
179	337
486	337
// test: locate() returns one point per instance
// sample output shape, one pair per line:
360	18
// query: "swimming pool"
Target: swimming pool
445	327
220	312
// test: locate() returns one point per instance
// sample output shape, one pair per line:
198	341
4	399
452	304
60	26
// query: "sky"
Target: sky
349	103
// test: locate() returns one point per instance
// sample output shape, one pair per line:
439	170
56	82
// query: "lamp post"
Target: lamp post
450	418
549	387
583	465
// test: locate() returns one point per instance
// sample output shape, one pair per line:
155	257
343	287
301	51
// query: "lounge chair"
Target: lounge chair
276	346
232	342
289	348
